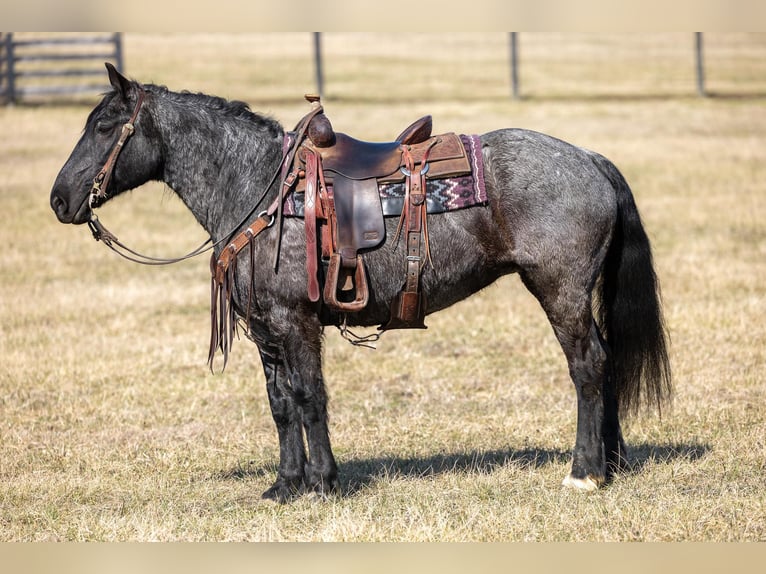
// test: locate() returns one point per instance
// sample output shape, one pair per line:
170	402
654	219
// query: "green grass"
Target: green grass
112	428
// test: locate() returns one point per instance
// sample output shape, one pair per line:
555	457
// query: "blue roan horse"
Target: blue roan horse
560	216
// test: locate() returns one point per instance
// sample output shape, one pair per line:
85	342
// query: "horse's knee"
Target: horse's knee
591	391
282	408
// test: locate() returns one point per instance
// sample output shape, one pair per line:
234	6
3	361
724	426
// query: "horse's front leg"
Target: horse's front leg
287	417
303	359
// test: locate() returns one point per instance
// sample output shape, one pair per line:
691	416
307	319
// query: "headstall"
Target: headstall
99	190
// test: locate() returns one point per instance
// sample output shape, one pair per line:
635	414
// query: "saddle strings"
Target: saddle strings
367	341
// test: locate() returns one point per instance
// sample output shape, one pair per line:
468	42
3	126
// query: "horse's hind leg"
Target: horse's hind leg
587	359
292	453
569	312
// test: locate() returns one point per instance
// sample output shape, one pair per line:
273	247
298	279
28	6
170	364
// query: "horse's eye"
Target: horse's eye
104	127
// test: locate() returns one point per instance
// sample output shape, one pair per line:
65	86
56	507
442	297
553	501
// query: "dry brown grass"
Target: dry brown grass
113	429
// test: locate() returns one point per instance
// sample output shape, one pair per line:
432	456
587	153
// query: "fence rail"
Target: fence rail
35	66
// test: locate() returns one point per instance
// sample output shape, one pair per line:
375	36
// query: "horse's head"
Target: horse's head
115	153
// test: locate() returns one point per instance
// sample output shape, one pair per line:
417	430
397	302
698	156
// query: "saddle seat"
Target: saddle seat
358	159
355	159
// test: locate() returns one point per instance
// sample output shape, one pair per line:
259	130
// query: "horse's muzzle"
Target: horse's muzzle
66	213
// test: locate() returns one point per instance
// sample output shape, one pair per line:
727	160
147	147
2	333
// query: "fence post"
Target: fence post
318	62
118	54
10	73
514	65
700	64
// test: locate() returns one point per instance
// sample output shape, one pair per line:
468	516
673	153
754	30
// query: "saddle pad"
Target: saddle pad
441	194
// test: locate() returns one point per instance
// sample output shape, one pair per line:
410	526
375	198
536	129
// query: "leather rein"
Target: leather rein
99	195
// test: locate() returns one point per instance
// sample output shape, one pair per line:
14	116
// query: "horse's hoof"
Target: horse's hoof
325	490
587	484
282	492
318	497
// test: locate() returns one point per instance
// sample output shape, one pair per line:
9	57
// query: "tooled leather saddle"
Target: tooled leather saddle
340	176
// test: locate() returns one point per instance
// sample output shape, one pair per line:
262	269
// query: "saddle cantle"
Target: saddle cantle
417	132
339	176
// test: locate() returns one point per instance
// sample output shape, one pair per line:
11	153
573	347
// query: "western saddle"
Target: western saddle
339	177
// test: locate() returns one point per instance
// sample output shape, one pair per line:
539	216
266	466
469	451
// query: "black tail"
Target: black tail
630	309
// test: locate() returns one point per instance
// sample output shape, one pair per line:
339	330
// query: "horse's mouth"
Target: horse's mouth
83	214
84	211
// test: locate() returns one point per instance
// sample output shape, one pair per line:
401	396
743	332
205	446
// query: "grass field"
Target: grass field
113	429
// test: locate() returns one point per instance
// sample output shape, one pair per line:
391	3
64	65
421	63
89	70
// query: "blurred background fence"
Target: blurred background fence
50	67
45	64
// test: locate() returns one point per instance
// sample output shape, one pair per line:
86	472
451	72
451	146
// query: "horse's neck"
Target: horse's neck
219	167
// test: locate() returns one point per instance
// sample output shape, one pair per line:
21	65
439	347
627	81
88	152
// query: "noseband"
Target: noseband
98	192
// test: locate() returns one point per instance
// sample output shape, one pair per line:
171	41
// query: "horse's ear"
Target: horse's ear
118	81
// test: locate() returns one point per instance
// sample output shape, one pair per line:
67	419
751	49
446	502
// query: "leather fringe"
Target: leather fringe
223	317
223	320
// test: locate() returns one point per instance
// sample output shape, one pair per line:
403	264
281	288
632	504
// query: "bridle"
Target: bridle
99	193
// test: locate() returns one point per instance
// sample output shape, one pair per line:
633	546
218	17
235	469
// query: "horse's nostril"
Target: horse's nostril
58	204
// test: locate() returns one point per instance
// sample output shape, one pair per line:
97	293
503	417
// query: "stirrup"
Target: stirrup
360	285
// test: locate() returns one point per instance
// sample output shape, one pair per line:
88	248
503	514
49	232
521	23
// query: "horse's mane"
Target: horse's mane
220	106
